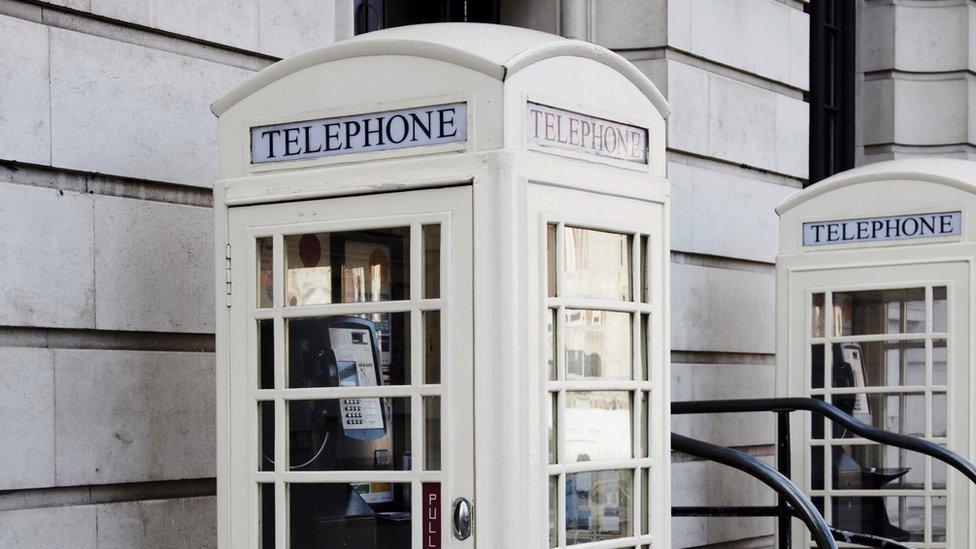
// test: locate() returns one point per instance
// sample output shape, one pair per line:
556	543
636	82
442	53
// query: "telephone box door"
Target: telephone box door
350	387
881	342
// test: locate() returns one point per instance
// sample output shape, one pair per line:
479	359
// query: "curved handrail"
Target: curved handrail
834	414
800	503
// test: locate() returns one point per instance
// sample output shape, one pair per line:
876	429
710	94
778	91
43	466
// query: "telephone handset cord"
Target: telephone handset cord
307	463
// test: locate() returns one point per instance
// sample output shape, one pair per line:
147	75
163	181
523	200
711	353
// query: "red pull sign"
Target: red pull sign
432	515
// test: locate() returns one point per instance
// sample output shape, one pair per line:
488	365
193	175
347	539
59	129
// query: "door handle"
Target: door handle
461	518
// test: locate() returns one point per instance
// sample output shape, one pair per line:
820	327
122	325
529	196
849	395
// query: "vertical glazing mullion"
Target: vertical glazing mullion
561	510
828	432
417	328
560	357
637	374
928	411
280	417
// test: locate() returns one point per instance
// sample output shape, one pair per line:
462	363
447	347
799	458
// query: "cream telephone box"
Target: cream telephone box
874	314
442	312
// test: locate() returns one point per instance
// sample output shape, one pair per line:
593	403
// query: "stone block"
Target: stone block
752	35
133	416
799	49
876	39
25	105
27	427
933	112
724	213
287	28
726	310
933	37
630	24
145	114
741	123
877	115
724	381
231	22
792	136
687	92
47	252
51	527
184	523
153	266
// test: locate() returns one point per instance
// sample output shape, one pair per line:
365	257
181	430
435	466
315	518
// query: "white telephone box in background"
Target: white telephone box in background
875	315
442	306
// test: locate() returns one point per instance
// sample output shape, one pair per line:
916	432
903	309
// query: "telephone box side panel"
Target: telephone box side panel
357	89
563	89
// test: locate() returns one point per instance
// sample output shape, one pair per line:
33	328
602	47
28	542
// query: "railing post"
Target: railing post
784	466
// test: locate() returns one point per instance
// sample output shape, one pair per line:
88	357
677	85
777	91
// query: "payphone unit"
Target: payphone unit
874	314
443	256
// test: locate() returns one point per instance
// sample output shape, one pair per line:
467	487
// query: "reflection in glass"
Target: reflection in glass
366	515
645	501
645	270
940	359
645	359
877	364
940	417
893	517
898	311
266	354
598	425
817	312
432	433
266	436
939	519
551	260
432	346
597	264
265	272
598	344
645	424
322	349
349	434
266	520
553	439
432	261
553	511
598	505
551	342
347	267
940	310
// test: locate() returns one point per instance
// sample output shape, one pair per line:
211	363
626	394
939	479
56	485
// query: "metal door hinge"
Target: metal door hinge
227	275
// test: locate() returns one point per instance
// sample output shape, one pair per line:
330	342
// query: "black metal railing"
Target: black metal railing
786	507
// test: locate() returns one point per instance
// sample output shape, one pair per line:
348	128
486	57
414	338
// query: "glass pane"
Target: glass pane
878	364
265	272
266	436
432	261
349	351
598	505
553	439
879	312
551	260
432	433
598	425
598	344
551	342
874	467
645	501
347	267
892	517
939	519
553	511
817	312
940	418
899	413
432	346
940	473
266	354
349	434
645	270
940	358
367	515
645	359
940	310
597	264
645	424
817	366
816	468
266	524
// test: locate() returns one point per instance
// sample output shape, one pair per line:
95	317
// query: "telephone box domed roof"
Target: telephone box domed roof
496	50
960	174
